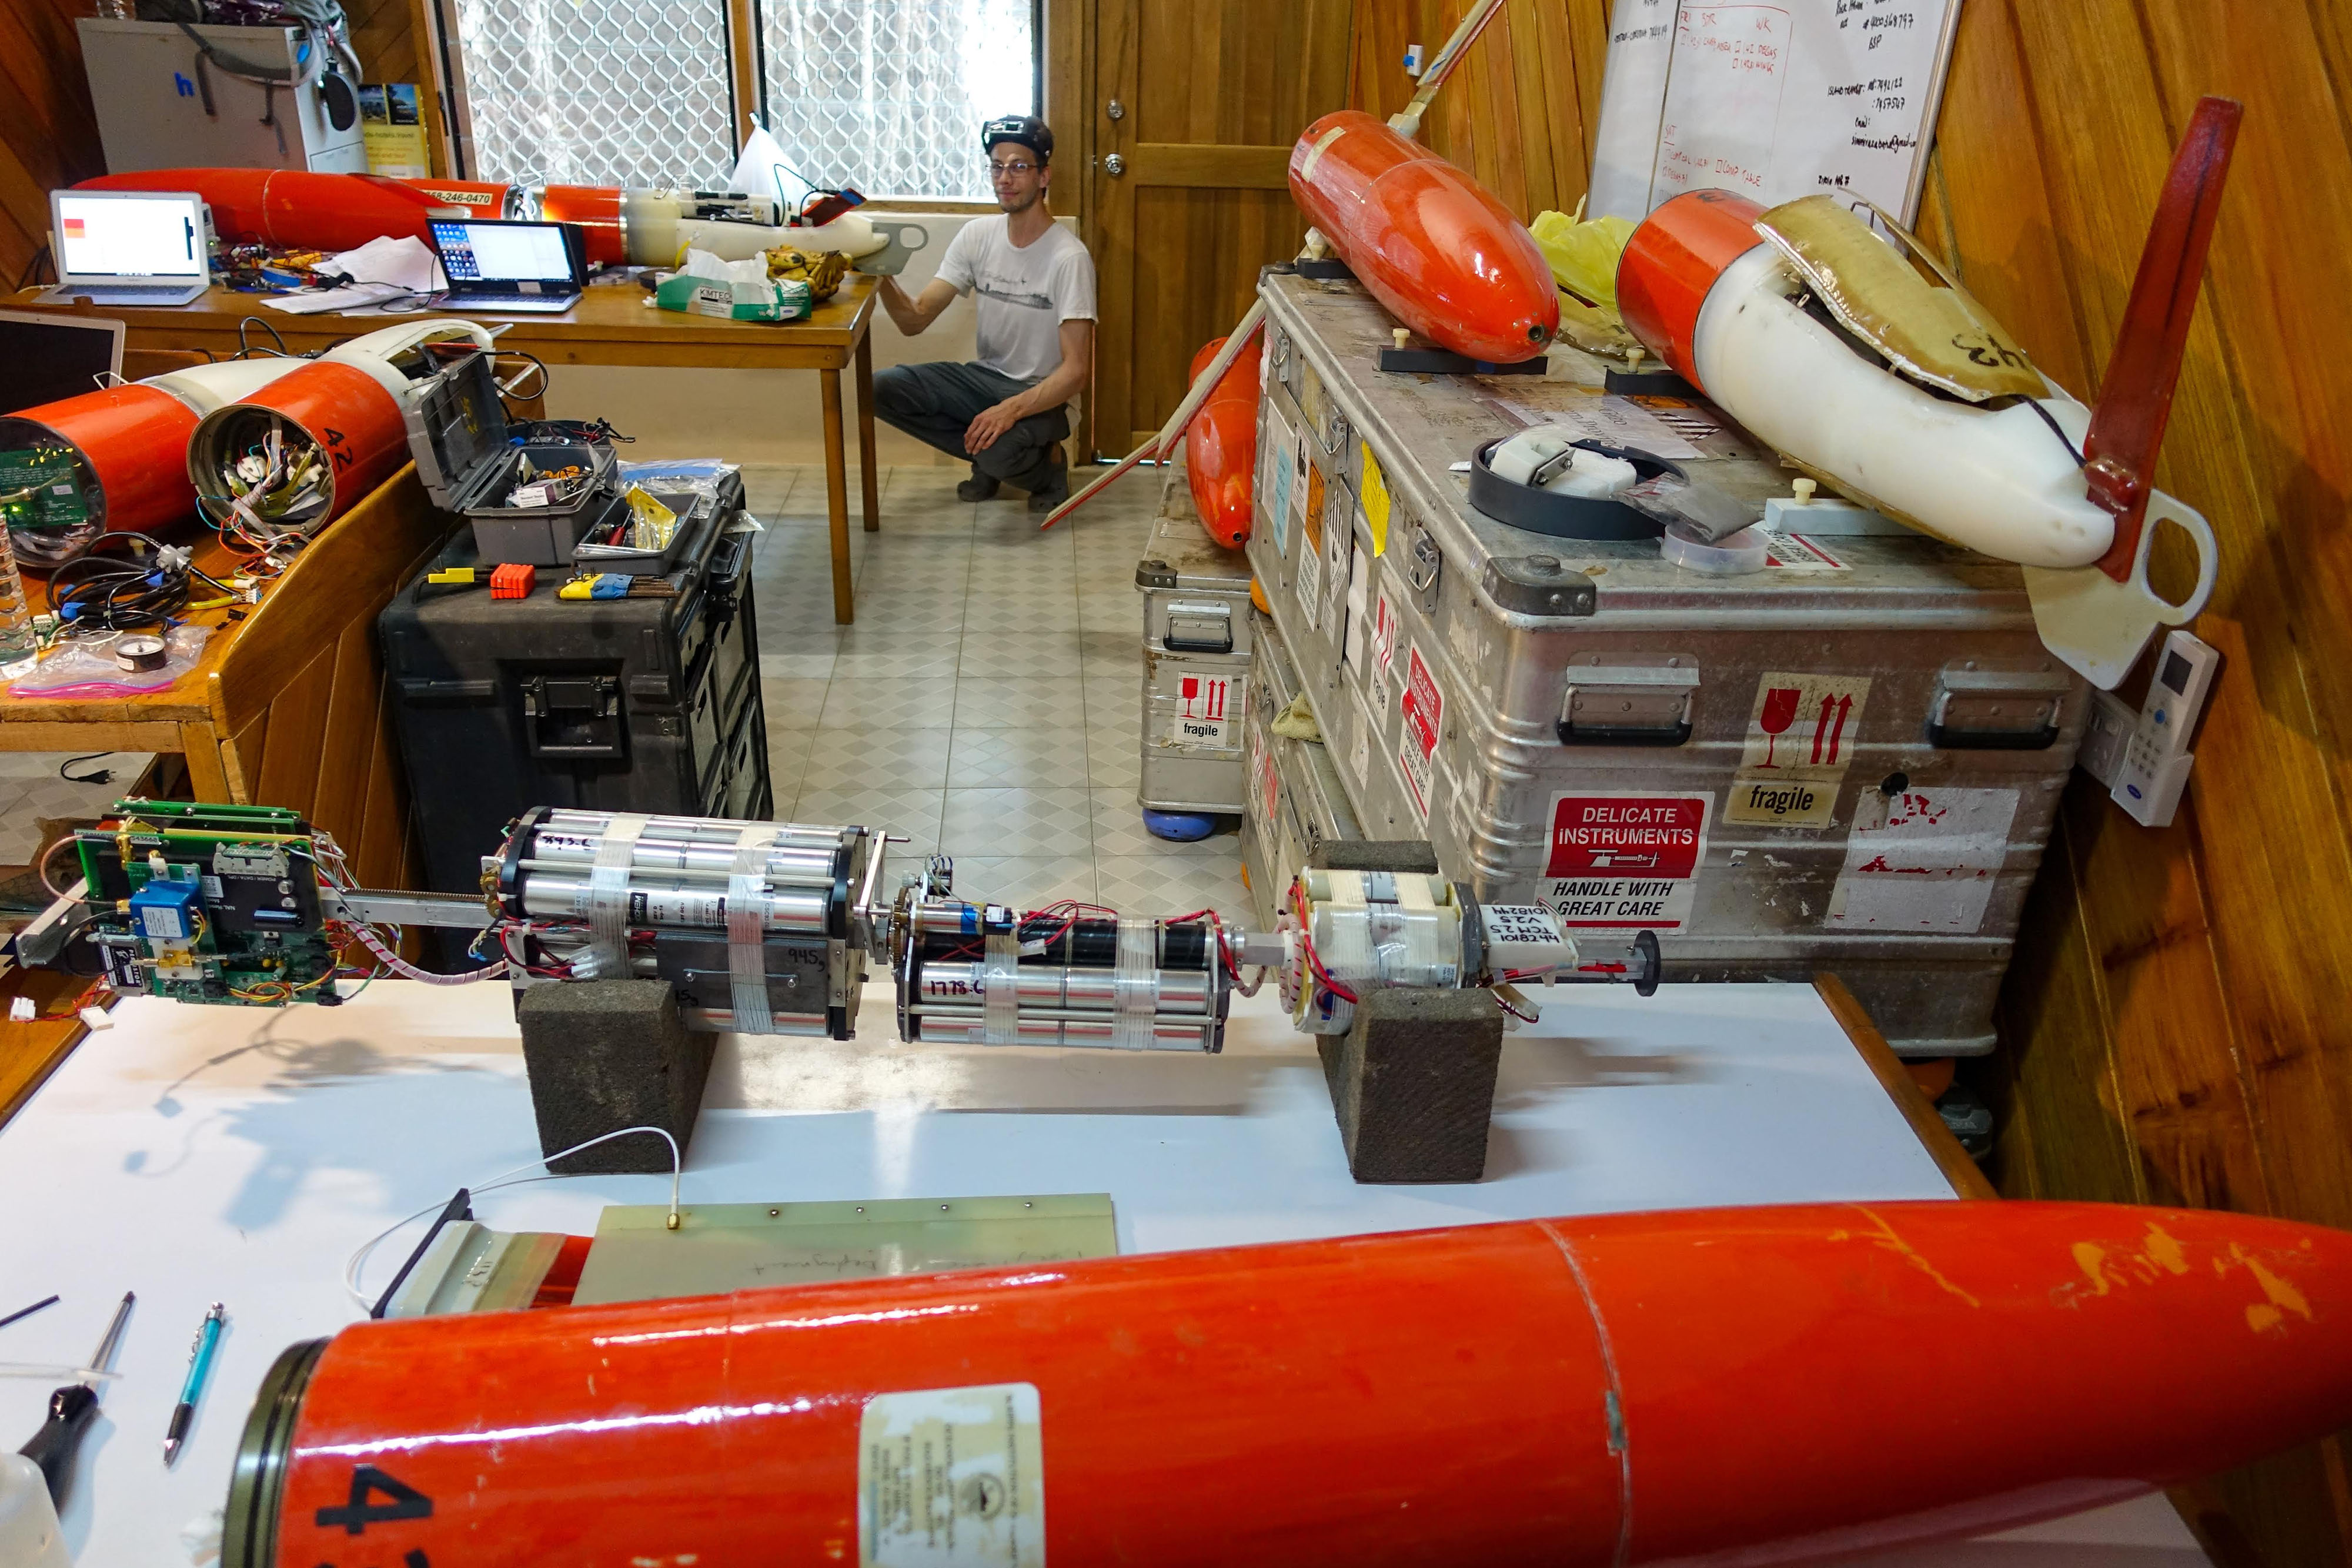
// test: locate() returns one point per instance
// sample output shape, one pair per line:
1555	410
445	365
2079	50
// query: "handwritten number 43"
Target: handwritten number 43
358	1510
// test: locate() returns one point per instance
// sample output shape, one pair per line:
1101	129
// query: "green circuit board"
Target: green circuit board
206	903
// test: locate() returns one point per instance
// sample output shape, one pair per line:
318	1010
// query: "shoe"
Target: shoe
979	487
1057	487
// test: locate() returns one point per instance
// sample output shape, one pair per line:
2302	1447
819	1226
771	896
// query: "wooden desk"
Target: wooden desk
286	706
610	326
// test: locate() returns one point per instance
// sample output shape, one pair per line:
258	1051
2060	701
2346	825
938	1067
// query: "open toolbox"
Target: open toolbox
458	432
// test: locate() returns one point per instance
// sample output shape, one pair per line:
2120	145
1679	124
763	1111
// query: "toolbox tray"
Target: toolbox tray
465	454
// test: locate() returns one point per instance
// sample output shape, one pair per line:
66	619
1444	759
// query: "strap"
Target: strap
747	930
1135	985
999	980
608	893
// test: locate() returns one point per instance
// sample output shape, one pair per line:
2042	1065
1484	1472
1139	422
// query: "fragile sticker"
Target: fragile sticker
1424	717
1208	709
1802	736
952	1478
1923	859
1625	860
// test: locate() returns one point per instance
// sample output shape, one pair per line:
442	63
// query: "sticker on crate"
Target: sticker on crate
1208	709
1378	676
1339	538
1309	580
1923	859
1265	791
1359	581
1803	732
1797	554
1424	717
1285	461
1625	860
1374	487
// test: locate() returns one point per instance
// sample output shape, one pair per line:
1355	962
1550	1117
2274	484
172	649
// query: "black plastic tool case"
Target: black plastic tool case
459	435
621	704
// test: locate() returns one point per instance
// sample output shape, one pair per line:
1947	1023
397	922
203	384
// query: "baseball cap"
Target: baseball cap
1025	129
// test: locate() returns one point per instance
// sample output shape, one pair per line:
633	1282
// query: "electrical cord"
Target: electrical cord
95	588
103	776
32	273
245	351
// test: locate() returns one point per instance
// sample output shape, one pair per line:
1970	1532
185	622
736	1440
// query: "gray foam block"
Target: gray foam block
1374	854
607	1054
1413	1083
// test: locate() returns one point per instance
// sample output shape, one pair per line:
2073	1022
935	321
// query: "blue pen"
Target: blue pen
200	1361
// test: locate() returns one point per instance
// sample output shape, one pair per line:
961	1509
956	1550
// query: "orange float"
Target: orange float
1221	446
301	210
1715	1386
1432	244
1671	264
597	209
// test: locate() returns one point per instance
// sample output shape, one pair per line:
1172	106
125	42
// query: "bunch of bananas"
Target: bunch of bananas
821	270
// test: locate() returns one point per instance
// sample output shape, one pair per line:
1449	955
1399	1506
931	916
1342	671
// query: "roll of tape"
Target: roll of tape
141	653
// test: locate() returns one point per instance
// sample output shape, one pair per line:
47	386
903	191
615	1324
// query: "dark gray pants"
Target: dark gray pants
935	403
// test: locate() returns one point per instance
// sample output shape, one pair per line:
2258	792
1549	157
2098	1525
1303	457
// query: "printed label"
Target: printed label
1209	709
1797	554
1529	924
1309	580
1625	860
1374	486
1379	674
1283	460
1424	715
1801	737
1265	791
952	1476
1925	859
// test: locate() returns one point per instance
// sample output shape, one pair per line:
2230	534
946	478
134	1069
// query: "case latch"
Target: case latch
1422	568
1199	628
1628	699
1981	709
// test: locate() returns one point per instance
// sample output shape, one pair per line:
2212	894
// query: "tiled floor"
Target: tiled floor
30	790
987	703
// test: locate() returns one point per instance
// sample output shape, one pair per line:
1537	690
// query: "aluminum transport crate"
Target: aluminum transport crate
1845	763
1297	802
1196	663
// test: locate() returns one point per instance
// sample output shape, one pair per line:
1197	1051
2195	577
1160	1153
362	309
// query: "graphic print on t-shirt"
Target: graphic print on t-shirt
1000	292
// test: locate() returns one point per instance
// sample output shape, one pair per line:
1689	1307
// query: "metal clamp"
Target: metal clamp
1424	565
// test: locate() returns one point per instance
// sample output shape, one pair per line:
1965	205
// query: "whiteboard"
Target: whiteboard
1773	99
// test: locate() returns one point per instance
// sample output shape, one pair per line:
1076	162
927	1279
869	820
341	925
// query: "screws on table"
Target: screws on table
71	1409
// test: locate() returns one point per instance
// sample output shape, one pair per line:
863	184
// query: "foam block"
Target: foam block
607	1054
1413	1081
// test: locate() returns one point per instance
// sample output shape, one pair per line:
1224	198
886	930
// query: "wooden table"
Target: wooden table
610	326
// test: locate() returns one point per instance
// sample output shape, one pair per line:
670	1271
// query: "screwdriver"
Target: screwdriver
71	1410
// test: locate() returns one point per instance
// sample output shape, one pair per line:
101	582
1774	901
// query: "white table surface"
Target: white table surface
194	1153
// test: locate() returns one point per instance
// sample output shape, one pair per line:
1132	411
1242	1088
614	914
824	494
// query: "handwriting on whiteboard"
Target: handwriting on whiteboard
1730	67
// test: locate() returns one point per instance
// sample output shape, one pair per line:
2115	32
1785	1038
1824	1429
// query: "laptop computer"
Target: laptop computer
507	265
128	247
51	358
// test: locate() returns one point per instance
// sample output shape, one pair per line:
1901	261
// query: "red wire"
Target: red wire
1307	945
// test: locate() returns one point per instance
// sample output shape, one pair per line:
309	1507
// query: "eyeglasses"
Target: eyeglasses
1010	171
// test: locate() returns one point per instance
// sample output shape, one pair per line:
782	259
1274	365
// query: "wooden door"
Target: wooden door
1211	94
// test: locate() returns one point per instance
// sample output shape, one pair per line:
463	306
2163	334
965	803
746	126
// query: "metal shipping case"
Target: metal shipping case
1297	802
1196	663
1846	763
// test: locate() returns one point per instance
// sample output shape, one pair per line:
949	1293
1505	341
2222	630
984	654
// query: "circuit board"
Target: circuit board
205	902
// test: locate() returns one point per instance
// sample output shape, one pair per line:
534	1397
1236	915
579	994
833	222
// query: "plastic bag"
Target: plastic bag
85	667
1583	257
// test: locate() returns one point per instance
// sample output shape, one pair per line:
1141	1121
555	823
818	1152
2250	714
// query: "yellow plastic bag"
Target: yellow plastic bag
1583	257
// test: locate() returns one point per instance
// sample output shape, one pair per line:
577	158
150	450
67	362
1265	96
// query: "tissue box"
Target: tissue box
765	301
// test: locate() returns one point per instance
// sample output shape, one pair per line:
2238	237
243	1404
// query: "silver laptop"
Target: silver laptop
128	247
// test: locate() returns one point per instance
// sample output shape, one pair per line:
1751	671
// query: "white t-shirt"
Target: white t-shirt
1025	293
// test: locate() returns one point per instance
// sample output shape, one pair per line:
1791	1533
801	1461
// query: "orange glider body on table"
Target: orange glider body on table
1432	244
1706	1387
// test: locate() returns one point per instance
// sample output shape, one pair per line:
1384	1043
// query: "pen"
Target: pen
200	1361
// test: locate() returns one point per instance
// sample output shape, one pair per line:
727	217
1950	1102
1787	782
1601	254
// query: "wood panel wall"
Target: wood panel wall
49	136
2174	1030
1517	113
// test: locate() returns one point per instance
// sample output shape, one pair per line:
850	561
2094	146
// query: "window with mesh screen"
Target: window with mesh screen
889	95
884	96
598	92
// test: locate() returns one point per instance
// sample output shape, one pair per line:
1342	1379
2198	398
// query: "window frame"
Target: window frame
449	116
